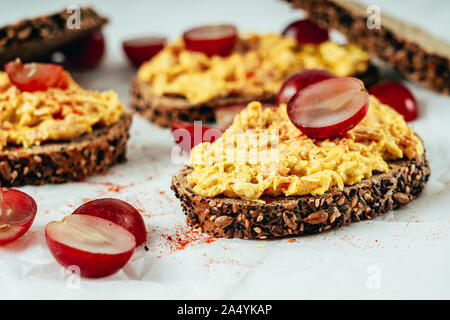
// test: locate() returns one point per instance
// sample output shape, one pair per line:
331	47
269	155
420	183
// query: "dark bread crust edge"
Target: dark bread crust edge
31	39
427	68
162	110
302	215
62	162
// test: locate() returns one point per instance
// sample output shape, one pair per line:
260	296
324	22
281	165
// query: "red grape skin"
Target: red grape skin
306	31
139	50
300	80
185	134
90	251
211	39
119	212
86	53
23	209
355	106
33	76
398	97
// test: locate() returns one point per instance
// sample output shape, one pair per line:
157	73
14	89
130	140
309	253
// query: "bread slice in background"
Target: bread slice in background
35	38
301	215
418	55
162	110
57	162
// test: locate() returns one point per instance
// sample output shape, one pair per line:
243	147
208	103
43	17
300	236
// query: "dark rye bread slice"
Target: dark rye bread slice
301	215
35	38
57	162
162	110
412	51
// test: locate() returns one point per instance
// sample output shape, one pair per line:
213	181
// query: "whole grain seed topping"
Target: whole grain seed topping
223	221
317	217
401	198
368	197
290	220
317	203
280	219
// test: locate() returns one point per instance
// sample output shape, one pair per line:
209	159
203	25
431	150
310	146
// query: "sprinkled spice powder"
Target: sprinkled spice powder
183	238
115	187
111	186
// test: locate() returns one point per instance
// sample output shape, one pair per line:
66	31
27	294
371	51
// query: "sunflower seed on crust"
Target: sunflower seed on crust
223	221
317	217
290	220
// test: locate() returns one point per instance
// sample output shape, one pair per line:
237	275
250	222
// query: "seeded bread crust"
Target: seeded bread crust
58	162
301	215
33	39
415	53
162	110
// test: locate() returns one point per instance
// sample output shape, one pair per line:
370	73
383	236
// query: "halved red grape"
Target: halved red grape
397	96
33	76
86	53
139	50
300	80
119	212
187	134
211	39
17	212
329	108
306	31
97	246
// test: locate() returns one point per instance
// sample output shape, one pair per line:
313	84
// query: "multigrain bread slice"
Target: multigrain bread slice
409	49
57	162
162	110
301	215
35	38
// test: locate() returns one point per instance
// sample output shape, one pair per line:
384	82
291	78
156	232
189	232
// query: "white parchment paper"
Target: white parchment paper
403	254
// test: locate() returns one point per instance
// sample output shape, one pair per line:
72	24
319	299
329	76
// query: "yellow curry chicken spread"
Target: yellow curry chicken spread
258	65
263	153
31	118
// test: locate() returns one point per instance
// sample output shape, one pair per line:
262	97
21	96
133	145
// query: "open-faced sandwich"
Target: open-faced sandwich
52	130
334	154
214	67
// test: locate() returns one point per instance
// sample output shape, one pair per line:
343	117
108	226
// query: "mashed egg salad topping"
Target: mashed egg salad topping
258	65
56	114
263	153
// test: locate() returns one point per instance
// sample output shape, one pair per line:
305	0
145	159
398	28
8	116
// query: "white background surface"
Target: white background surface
408	249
